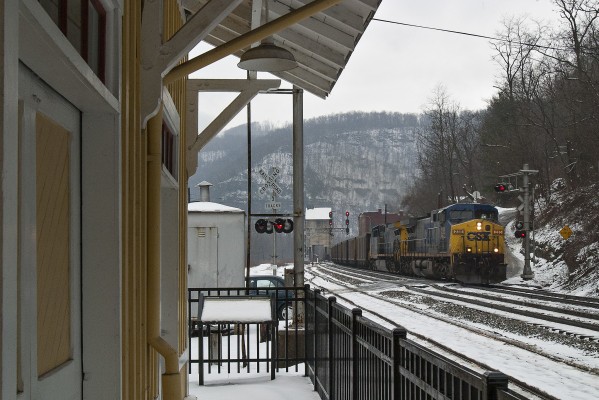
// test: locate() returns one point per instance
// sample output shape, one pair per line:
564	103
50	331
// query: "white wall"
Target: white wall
229	268
45	51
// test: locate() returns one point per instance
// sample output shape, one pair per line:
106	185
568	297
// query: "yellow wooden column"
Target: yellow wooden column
138	359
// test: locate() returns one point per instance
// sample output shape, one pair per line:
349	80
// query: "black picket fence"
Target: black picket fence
345	355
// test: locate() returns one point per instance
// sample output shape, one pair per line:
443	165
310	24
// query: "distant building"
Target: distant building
318	237
369	219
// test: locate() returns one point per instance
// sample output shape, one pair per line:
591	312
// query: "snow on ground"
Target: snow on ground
567	383
286	386
241	384
552	275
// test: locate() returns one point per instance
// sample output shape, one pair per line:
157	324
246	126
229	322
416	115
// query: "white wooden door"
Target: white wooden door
50	260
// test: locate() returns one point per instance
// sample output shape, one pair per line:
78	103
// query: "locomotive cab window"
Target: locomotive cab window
486	215
460	215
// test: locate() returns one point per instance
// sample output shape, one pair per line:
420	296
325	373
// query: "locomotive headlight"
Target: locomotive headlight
479	226
495	250
469	249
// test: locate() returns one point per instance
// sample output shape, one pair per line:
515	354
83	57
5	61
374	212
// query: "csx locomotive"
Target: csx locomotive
462	242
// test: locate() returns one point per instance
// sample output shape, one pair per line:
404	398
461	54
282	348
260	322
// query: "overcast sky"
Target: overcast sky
397	68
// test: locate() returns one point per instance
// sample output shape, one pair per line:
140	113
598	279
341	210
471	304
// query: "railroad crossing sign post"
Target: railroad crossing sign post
271	183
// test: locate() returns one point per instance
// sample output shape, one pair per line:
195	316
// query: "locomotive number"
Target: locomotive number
478	236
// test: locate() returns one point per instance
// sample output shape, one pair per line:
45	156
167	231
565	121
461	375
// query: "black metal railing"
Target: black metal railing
238	346
348	356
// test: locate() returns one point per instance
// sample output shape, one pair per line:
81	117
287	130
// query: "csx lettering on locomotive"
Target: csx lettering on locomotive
479	236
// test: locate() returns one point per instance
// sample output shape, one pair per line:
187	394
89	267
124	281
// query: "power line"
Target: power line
465	34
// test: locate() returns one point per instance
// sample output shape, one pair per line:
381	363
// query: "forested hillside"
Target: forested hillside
353	162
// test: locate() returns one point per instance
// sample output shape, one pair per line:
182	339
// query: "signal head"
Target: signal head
261	225
500	187
346	214
278	225
519	225
288	226
520	234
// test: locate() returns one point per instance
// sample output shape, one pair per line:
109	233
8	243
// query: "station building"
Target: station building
99	137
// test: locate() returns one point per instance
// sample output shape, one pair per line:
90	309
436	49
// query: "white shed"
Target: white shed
215	245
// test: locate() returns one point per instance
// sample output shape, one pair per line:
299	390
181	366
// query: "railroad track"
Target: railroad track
359	281
563	313
557	315
545	295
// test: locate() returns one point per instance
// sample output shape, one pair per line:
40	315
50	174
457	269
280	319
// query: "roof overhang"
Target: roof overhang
321	44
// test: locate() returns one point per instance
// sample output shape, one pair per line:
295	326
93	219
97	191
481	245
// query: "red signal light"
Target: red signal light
520	234
347	214
500	187
278	225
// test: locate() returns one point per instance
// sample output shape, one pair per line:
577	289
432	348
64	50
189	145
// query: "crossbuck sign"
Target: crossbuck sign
271	181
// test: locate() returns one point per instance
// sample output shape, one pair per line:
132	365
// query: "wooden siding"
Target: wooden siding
173	21
138	359
140	364
53	245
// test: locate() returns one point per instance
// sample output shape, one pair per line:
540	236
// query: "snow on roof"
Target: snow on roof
318	213
209	207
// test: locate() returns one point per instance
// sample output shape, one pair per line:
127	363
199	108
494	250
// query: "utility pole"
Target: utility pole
523	229
274	242
527	271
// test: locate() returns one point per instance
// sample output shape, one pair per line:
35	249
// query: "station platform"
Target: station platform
286	385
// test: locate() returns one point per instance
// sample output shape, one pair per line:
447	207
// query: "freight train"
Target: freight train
462	242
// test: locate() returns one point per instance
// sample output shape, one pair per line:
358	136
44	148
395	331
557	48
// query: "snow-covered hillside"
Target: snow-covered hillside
567	265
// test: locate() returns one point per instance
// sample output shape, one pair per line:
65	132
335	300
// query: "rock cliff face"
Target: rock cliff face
353	162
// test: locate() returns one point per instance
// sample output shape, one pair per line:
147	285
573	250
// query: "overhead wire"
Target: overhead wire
467	34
